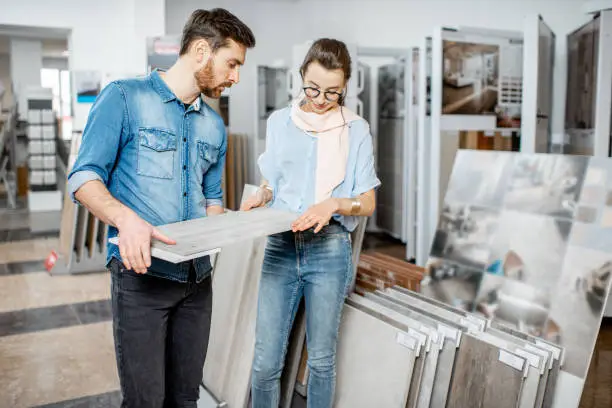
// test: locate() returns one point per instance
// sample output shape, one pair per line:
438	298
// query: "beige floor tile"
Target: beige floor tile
27	250
56	365
39	289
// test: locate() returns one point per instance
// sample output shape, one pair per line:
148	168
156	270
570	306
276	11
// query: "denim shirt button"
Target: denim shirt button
185	194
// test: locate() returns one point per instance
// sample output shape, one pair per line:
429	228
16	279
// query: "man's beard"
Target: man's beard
205	80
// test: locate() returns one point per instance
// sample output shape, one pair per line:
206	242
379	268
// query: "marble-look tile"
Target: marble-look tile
33	290
19	268
57	365
54	317
14	219
27	250
107	400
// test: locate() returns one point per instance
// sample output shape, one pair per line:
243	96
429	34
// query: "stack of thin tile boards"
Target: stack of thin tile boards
203	236
227	371
463	361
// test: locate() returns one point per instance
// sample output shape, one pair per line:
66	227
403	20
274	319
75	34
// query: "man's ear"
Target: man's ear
201	50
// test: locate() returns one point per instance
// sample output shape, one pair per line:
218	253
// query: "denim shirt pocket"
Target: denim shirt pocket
156	152
207	155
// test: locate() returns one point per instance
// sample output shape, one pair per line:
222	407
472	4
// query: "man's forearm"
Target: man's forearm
98	200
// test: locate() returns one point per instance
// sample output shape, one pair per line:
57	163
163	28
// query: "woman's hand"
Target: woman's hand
259	199
318	215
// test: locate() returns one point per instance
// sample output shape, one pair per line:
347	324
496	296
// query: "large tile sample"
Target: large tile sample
435	343
451	336
524	241
227	371
374	361
206	235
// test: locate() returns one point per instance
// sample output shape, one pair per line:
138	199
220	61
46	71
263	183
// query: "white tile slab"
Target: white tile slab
373	362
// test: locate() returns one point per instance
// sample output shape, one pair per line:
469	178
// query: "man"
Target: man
153	153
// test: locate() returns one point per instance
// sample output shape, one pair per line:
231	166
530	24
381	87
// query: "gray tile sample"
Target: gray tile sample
434	311
481	321
446	360
485	376
227	371
546	355
535	367
434	343
374	361
203	236
558	354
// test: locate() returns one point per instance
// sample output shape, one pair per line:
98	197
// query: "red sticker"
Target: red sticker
50	261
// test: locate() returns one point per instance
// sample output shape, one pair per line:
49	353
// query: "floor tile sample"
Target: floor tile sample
57	365
558	355
381	375
535	367
196	237
486	376
546	355
39	289
451	337
479	320
434	343
227	371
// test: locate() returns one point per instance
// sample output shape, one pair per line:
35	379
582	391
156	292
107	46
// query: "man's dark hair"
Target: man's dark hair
216	26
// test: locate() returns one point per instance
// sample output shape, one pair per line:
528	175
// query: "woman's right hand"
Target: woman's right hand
253	201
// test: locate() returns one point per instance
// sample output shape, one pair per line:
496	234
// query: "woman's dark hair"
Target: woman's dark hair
216	26
331	54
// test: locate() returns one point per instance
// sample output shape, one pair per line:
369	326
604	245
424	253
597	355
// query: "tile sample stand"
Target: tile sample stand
434	345
374	362
446	362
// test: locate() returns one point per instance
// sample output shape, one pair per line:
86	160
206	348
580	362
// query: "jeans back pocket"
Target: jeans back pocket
156	151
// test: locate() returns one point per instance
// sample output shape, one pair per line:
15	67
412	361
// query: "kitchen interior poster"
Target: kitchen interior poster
524	240
482	75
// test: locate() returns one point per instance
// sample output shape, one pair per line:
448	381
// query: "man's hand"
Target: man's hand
135	242
318	215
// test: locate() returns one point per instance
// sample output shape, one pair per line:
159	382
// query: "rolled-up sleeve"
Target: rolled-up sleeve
212	181
365	171
101	140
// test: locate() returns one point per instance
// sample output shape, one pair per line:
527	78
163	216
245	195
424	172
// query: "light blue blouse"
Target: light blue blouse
290	159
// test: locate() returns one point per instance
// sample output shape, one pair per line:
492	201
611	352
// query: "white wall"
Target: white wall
108	36
382	23
26	63
5	77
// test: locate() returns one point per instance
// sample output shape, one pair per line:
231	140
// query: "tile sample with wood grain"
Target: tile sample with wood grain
486	376
206	235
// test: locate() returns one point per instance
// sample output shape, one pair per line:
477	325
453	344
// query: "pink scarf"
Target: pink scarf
332	132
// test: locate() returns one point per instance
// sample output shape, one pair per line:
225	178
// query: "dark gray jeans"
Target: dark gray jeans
161	330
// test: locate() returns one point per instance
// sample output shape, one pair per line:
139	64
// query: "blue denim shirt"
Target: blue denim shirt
290	159
156	156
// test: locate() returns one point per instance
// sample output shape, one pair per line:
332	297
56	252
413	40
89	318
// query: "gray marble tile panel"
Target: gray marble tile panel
373	362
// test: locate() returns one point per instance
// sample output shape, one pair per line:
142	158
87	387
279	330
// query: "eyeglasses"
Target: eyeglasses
331	96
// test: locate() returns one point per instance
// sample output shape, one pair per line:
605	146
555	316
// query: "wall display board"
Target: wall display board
523	240
87	85
162	51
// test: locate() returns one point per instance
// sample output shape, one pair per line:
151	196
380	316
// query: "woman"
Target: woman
319	163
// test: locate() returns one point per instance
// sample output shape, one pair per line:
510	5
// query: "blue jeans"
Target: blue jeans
319	267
